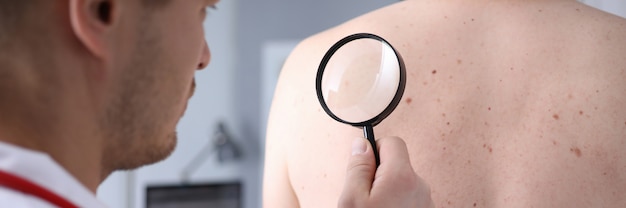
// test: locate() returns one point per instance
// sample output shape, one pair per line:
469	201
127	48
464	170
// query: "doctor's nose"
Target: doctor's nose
205	57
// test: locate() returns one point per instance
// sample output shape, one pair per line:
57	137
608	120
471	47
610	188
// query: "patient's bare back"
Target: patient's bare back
507	104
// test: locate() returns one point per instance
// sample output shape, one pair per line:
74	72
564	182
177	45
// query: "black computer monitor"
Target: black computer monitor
218	195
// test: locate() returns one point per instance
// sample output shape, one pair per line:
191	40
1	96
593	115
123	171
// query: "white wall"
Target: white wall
617	7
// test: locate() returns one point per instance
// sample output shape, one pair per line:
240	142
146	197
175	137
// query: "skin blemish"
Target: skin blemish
444	148
459	61
576	151
325	175
472	19
554	142
511	68
425	83
443	114
445	17
581	112
450	77
577	9
555	116
448	123
488	147
570	96
474	204
540	10
597	91
489	108
409	100
434	72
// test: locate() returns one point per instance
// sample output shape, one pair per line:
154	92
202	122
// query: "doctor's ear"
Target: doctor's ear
104	11
92	23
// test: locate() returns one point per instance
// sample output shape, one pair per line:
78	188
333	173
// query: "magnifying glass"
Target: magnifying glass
360	81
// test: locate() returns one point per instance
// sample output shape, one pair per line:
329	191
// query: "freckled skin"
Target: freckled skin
537	146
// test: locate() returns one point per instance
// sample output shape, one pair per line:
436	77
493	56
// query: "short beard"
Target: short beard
136	132
135	126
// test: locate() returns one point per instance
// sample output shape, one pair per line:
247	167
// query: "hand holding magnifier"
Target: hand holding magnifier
360	81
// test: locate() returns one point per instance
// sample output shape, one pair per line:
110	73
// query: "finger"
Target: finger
360	172
395	168
393	152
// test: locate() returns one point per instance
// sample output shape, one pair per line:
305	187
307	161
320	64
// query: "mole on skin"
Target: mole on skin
576	151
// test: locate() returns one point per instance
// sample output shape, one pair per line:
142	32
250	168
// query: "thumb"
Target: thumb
360	173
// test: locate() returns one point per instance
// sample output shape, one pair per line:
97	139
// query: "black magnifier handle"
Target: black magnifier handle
368	131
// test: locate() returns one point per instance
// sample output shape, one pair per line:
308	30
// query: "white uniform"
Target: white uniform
42	170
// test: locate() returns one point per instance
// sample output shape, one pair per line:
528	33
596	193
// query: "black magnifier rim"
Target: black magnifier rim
396	98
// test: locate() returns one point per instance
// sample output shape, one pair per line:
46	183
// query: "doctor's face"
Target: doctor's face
165	47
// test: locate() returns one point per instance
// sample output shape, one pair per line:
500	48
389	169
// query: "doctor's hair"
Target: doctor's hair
12	14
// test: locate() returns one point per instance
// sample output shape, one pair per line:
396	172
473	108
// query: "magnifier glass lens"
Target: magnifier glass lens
361	79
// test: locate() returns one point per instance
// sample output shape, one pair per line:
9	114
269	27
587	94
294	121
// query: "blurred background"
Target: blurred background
219	158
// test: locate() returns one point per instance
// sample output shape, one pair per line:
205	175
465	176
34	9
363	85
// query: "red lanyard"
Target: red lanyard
19	184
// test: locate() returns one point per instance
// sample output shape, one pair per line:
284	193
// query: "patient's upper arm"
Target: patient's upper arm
277	187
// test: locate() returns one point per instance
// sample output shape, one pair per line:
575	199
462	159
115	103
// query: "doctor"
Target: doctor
88	87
